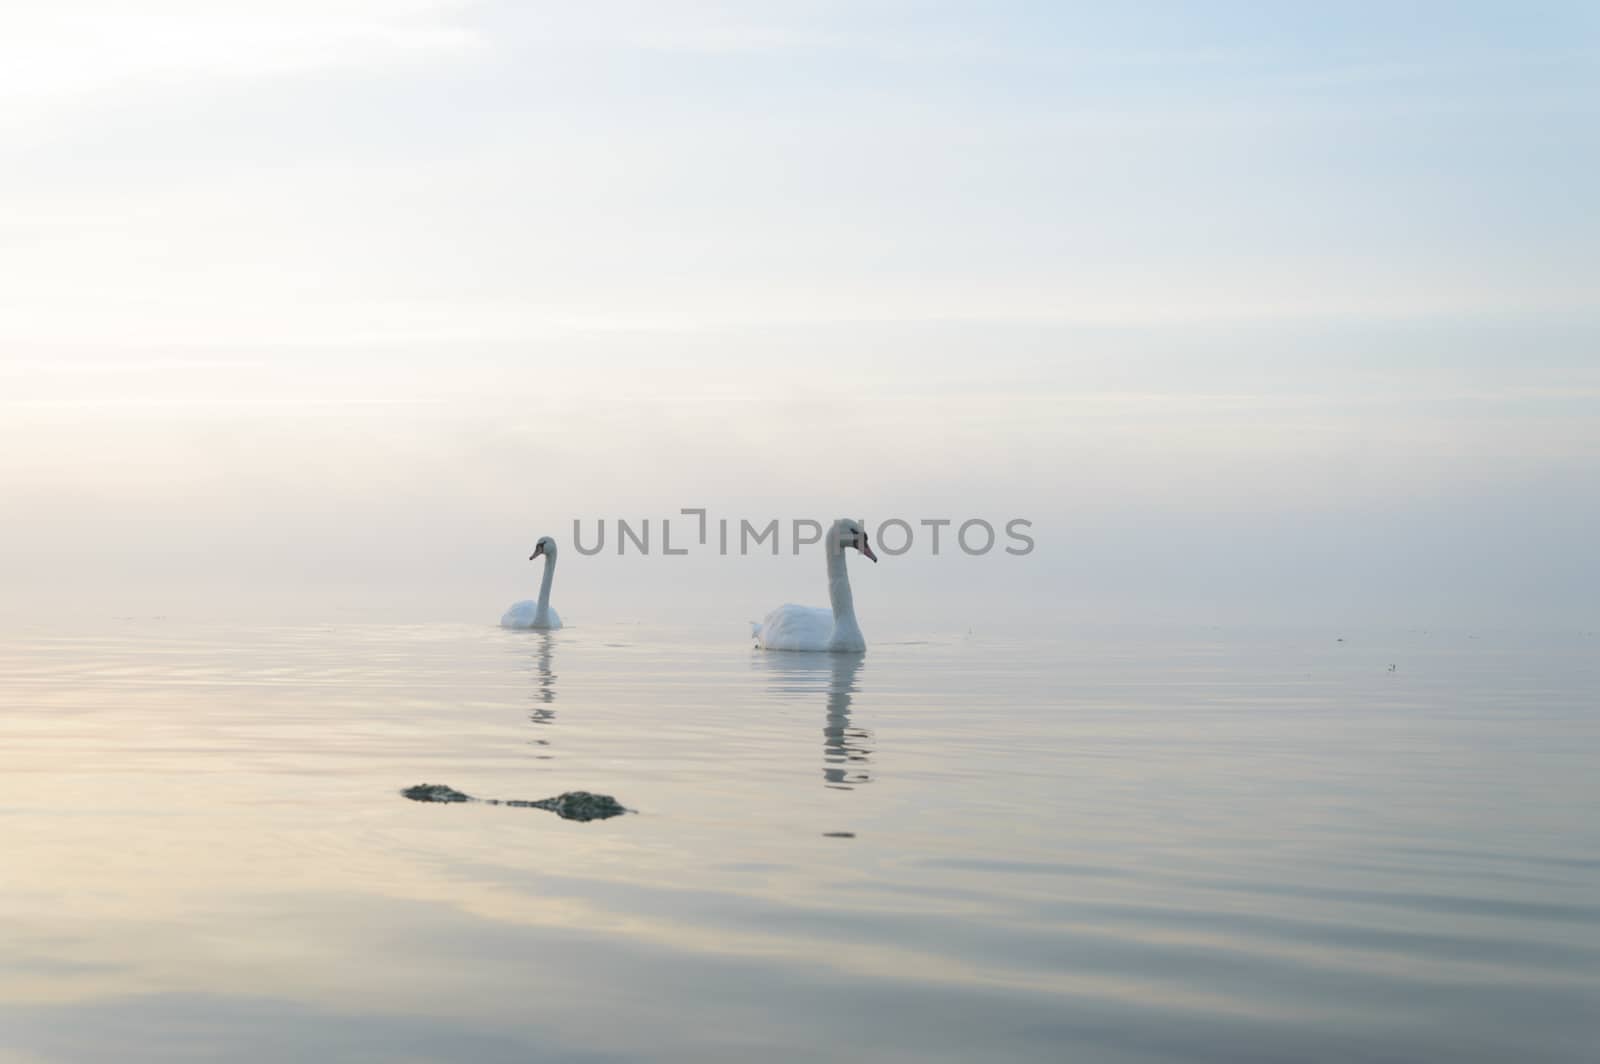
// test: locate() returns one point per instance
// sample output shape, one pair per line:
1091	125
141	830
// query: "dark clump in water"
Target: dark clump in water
435	792
573	805
577	805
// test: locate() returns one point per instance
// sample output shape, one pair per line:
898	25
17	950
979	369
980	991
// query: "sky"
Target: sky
1279	315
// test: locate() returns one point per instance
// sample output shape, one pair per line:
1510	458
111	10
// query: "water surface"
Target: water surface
1105	847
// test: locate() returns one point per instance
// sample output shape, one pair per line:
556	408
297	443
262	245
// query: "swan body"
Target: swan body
536	613
525	614
791	627
811	628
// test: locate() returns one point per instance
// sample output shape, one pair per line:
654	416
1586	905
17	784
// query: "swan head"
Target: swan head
546	547
848	532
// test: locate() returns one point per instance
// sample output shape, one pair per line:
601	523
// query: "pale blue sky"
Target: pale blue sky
1257	313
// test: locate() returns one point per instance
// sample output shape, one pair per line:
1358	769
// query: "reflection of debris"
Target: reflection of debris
573	805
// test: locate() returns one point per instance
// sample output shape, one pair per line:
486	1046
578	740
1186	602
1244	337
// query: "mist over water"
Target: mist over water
1388	477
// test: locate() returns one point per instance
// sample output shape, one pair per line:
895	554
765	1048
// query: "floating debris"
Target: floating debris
436	792
573	805
838	834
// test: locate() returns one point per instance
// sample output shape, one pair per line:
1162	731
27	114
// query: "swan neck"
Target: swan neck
839	597
544	585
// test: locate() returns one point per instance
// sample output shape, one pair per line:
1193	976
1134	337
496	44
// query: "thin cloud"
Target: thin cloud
73	367
74	50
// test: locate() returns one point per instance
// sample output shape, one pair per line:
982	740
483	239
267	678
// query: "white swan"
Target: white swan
812	628
531	614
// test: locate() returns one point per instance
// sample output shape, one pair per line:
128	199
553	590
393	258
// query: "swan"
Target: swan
813	628
531	614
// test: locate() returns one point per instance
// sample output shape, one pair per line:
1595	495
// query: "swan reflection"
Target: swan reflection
544	689
846	746
545	683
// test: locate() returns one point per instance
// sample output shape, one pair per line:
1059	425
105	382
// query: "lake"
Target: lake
1093	846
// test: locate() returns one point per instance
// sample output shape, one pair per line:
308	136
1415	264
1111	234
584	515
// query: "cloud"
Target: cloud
75	50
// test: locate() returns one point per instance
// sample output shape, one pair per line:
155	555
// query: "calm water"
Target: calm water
1094	848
